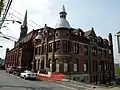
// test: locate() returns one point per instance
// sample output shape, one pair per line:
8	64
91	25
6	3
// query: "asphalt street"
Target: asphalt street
11	82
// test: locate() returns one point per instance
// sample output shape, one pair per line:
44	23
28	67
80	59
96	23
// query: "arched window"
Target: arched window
48	63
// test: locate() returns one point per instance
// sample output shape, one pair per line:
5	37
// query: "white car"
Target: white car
28	75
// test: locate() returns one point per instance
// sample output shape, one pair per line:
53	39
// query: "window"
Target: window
50	34
65	67
50	47
86	66
66	33
99	67
76	33
66	46
57	34
105	53
76	48
94	51
57	66
48	63
80	33
39	50
85	50
93	66
110	52
100	51
35	51
75	67
57	46
105	66
43	49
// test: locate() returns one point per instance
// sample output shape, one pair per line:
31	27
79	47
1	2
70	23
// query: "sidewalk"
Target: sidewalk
87	86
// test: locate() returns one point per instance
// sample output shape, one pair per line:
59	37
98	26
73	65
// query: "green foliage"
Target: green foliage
1	6
117	71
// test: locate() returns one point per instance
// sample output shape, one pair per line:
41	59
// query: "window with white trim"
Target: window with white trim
75	67
57	67
65	67
85	67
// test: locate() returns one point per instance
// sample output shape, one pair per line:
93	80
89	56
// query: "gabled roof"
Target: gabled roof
90	33
118	32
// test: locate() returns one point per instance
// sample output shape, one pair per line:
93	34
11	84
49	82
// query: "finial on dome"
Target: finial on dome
92	28
45	25
63	8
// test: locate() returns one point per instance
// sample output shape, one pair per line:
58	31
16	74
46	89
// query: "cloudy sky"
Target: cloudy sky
103	15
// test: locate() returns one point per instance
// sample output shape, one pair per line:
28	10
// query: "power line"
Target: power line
7	37
21	19
23	16
5	13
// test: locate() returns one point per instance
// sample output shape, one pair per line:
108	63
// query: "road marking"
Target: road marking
66	87
80	86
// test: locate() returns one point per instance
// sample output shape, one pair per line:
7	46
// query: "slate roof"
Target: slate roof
90	33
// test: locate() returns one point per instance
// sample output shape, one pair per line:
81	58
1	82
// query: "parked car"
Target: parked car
10	69
19	70
28	75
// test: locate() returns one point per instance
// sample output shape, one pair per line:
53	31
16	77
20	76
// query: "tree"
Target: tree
117	70
1	6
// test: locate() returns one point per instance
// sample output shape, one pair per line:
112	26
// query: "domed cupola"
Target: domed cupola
62	23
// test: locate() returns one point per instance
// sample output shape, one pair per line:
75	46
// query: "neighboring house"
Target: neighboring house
22	53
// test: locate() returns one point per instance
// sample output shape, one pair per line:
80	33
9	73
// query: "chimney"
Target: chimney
7	50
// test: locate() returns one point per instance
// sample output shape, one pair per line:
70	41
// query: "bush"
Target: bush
117	71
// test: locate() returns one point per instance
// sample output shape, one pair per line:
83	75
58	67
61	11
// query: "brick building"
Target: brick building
79	55
22	53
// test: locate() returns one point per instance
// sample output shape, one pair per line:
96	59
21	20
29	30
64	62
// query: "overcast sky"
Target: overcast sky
103	15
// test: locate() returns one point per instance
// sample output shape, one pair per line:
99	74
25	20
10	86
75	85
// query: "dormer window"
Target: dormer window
57	34
110	52
76	33
80	33
100	40
50	33
66	33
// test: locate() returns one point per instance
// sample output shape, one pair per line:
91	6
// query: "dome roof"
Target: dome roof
62	23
